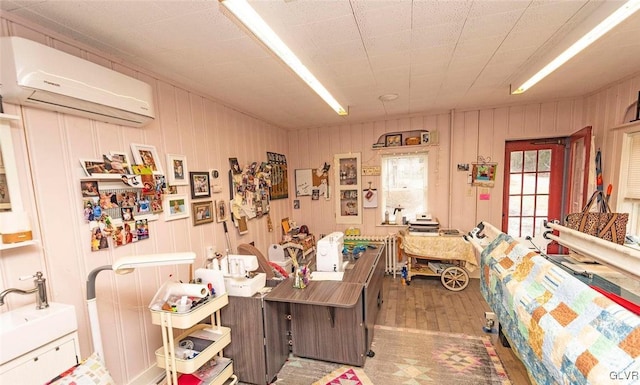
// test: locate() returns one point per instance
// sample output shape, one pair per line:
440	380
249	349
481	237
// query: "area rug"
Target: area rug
407	357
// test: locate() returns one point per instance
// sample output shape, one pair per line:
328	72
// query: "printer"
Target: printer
329	252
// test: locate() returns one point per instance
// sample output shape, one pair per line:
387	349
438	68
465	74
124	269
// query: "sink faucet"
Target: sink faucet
40	290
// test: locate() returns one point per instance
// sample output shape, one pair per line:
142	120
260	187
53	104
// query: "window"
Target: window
404	185
631	171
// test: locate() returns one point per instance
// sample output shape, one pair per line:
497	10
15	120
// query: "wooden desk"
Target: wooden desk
334	320
259	347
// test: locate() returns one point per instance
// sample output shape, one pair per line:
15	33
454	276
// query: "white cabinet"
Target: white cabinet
189	322
348	188
42	364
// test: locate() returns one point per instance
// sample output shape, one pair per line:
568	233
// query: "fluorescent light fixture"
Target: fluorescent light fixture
126	265
605	26
250	18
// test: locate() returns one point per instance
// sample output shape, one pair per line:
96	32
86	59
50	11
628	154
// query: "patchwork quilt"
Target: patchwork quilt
563	331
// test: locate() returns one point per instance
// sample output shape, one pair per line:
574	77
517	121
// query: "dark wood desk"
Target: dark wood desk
334	320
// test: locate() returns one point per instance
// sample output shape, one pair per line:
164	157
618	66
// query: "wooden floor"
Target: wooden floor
426	304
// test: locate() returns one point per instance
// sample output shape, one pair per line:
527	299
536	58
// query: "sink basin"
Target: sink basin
25	329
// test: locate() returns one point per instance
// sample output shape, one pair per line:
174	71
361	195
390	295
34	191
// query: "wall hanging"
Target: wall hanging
483	173
279	180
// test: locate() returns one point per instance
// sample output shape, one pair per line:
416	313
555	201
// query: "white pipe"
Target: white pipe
450	211
621	258
94	324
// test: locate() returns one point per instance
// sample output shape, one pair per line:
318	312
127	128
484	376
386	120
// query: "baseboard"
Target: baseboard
152	376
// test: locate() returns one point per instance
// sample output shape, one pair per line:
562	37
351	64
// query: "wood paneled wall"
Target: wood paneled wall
463	137
49	145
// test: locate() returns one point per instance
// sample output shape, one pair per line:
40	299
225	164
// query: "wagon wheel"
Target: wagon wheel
454	278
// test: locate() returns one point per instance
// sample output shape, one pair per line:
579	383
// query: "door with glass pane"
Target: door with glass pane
533	186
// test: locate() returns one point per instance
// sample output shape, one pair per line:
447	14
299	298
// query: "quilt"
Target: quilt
563	331
440	248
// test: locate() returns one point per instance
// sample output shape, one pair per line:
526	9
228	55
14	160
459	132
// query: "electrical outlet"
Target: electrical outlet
210	252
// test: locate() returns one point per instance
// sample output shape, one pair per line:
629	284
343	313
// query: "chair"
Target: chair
264	266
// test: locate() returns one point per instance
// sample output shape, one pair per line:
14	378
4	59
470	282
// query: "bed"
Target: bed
564	331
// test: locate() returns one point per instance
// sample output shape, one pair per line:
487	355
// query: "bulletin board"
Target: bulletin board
312	181
250	191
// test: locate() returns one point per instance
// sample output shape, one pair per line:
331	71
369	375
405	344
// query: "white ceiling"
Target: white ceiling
436	55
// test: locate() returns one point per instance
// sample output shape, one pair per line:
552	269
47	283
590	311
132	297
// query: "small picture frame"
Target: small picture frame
177	170
200	186
425	138
118	162
147	155
95	166
286	226
484	174
89	188
393	140
221	211
202	212
176	207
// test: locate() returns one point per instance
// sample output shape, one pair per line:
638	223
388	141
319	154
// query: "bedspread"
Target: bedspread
440	247
563	331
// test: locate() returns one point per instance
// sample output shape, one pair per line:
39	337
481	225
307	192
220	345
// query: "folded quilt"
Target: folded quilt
563	331
440	247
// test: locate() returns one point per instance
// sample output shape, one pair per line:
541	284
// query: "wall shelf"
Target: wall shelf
7	246
395	140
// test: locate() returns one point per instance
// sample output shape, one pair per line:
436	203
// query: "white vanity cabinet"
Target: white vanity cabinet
42	364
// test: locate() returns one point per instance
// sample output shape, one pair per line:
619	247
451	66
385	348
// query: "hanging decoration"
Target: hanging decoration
279	180
483	173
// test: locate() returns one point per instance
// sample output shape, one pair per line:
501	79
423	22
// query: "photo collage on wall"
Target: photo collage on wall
123	193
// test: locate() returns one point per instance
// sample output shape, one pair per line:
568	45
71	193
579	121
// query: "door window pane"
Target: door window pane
515	184
542	205
514	205
544	160
514	226
529	185
516	162
527	227
530	161
528	205
543	182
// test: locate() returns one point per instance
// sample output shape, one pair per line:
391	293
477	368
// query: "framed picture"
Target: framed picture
118	162
202	212
147	155
177	170
200	186
95	166
89	188
484	174
221	211
425	138
176	207
393	140
286	226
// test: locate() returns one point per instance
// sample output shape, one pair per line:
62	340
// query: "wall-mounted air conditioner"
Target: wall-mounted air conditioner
32	74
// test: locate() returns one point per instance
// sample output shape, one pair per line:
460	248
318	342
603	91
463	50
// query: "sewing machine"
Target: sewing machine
329	255
238	277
